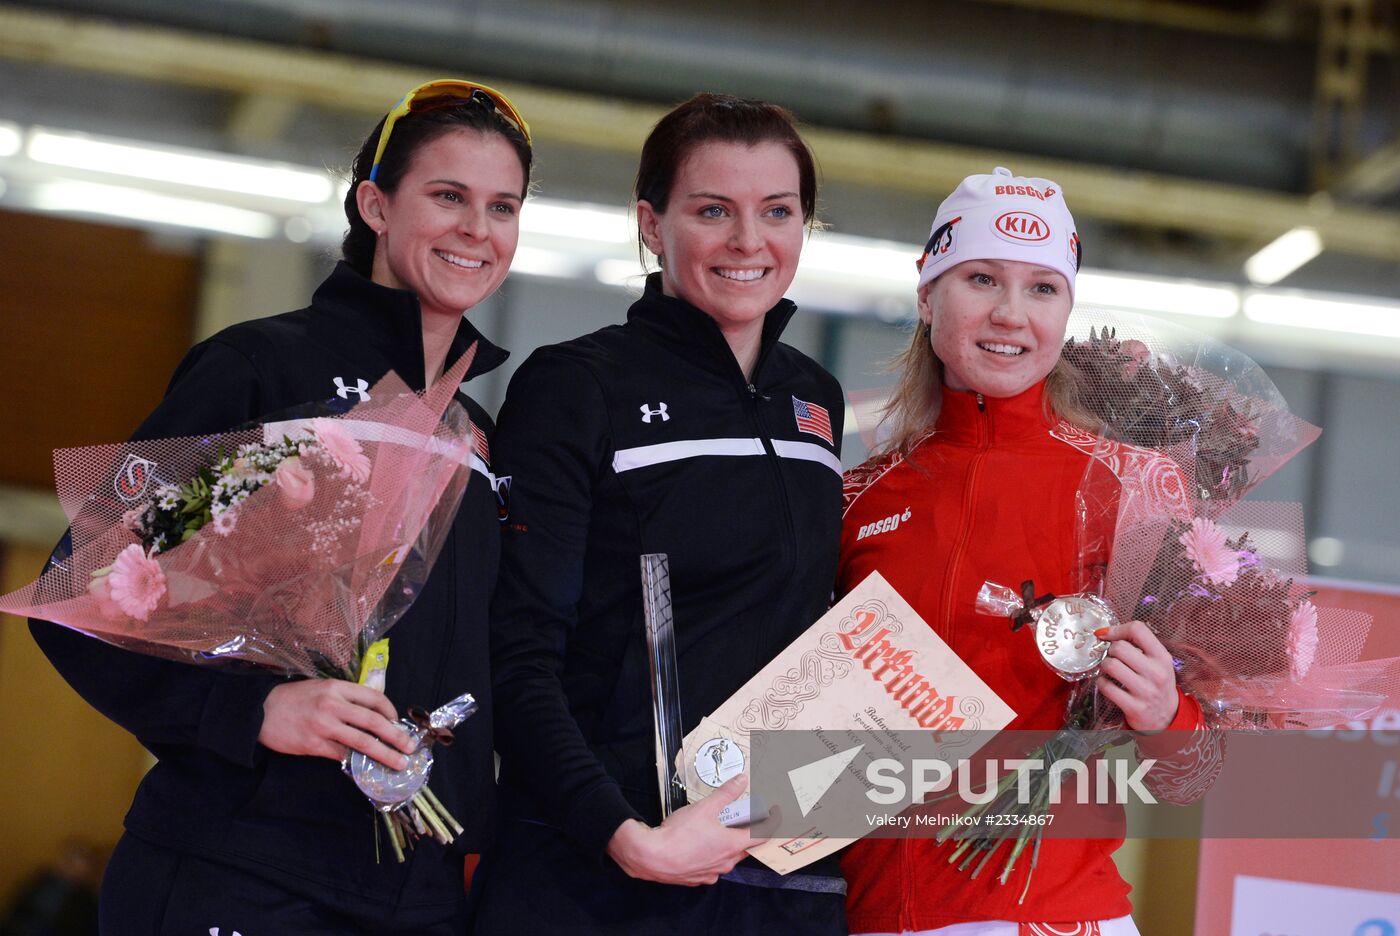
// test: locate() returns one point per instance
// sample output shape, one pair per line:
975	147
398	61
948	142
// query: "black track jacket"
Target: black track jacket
642	438
215	791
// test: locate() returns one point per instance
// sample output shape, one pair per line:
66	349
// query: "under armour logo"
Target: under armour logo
361	386
647	412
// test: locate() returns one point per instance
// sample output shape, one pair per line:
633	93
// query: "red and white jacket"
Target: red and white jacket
991	495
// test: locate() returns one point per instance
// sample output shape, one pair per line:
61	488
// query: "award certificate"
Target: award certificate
869	664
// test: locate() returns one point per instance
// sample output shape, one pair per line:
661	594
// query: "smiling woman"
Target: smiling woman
246	822
692	431
445	235
984	467
996	325
729	239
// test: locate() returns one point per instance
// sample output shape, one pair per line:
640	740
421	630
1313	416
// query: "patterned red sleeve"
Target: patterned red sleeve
859	479
1190	755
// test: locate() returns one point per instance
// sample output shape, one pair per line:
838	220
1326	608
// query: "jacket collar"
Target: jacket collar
677	322
361	312
968	418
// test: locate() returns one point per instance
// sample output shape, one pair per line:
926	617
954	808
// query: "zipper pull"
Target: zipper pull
981	404
755	395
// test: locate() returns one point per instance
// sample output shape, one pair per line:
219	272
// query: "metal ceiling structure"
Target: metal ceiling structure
1188	133
1191	118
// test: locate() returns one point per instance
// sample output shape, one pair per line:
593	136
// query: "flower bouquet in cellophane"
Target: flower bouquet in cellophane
1186	427
1215	576
293	544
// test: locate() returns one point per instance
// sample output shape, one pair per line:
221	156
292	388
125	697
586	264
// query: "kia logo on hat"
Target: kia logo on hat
1022	226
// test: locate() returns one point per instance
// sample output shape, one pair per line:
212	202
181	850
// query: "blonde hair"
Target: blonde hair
912	410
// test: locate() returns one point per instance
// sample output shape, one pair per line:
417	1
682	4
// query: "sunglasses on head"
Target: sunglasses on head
445	92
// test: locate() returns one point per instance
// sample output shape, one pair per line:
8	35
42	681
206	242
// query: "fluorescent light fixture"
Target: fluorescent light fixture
10	138
117	201
536	261
580	221
861	257
1283	256
1146	294
181	167
1332	314
618	272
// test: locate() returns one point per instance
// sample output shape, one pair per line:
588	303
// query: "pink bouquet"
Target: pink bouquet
1214	575
293	545
1187	427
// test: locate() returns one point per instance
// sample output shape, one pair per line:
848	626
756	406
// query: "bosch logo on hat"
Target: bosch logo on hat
1022	226
1030	190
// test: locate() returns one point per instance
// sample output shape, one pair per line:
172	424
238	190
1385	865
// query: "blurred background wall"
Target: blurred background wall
1189	136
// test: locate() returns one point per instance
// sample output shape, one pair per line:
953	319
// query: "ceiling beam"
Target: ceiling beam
1376	176
921	168
1279	21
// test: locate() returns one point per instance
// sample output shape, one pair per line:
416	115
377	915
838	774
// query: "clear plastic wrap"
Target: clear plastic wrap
297	577
392	789
406	804
1063	627
292	545
1183	429
1186	428
1163	388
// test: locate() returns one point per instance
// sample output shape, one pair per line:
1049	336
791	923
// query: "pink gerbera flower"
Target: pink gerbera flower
1213	558
136	582
1302	639
101	591
347	454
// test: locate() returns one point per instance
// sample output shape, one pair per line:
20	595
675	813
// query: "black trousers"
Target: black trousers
153	891
535	881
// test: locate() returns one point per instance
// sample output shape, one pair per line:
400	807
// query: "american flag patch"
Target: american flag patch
479	444
812	418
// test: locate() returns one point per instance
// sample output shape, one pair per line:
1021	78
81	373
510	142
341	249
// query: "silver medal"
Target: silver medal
389	789
717	760
386	787
1064	634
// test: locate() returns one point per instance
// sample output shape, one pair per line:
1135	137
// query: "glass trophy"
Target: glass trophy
665	684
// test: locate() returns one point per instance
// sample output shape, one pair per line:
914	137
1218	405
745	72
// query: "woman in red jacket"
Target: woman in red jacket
982	470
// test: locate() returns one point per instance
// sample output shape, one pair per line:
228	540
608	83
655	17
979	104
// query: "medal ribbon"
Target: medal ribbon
1029	602
420	717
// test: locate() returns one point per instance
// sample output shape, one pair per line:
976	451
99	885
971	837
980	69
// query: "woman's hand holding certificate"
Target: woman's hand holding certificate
690	847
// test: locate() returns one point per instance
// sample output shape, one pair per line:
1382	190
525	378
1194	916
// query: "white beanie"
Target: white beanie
1002	217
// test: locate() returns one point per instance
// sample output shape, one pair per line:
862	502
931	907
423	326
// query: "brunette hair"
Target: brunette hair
912	409
722	118
413	131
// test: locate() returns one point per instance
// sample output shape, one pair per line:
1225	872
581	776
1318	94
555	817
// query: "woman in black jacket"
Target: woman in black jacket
245	823
691	431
